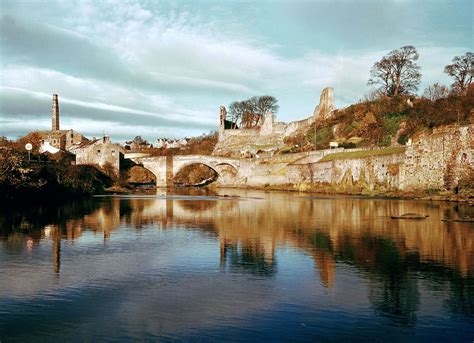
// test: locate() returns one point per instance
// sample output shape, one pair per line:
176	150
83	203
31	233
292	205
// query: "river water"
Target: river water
236	266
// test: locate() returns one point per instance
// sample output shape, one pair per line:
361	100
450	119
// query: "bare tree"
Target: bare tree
397	73
406	73
435	92
462	72
266	103
381	74
249	118
249	113
236	113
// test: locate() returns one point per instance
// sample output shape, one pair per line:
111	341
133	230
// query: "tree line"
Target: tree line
398	73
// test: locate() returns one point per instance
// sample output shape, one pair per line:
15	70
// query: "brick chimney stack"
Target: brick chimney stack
55	113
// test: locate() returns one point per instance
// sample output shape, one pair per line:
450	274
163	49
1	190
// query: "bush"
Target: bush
20	178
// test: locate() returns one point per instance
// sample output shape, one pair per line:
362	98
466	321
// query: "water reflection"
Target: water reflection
258	234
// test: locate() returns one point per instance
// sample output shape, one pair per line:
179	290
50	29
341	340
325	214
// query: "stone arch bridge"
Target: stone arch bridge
165	168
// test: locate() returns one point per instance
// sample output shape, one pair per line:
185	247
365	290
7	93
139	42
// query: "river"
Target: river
236	265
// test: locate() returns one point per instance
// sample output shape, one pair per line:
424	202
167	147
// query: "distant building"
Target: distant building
171	143
137	144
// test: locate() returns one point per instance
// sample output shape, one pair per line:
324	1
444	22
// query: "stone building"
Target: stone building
100	152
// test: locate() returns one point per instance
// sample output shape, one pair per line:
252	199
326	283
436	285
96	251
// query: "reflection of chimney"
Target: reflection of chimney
55	113
56	249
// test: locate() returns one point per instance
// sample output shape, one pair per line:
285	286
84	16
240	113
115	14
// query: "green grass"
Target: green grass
362	153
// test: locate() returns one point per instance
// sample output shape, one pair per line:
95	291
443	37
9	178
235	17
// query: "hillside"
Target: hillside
384	122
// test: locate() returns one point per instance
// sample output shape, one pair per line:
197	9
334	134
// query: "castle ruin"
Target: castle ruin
233	141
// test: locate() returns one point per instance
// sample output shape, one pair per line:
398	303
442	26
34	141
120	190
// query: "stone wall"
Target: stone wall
442	160
368	172
233	141
439	160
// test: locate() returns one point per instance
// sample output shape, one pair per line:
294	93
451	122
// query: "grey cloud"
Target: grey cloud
45	46
35	44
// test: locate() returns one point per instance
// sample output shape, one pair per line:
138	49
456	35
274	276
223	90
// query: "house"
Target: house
100	152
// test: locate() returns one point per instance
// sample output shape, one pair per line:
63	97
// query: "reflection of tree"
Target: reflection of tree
461	300
323	254
32	218
394	292
398	298
247	258
56	235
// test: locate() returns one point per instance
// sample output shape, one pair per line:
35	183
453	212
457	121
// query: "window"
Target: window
98	151
113	152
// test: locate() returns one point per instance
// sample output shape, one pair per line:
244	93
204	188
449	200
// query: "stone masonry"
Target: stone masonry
439	160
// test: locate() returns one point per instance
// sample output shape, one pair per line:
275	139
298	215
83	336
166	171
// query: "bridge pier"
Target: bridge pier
169	171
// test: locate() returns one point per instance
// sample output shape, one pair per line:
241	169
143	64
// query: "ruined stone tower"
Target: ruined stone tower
326	104
55	113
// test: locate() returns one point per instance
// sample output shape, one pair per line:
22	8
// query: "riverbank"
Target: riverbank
465	195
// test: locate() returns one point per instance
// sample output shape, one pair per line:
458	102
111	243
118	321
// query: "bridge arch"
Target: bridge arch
138	174
194	174
227	169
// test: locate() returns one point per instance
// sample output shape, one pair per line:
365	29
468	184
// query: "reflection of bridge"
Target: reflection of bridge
165	168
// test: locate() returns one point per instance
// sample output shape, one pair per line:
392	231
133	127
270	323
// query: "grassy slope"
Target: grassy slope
362	153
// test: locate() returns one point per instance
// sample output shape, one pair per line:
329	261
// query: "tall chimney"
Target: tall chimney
55	113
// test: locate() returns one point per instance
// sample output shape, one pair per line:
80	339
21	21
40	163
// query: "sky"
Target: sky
163	68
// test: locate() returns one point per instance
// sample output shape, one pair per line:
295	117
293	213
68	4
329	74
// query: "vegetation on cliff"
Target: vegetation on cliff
385	121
